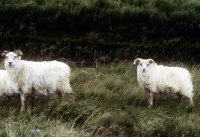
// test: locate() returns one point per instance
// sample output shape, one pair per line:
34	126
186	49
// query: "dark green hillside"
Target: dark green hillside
159	29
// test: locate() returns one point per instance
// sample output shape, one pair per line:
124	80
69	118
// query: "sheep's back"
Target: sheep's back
43	75
165	79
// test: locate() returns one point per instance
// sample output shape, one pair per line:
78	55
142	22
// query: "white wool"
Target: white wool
36	78
155	78
7	87
40	75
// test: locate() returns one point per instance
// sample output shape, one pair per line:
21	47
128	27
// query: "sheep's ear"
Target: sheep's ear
18	52
4	53
151	61
136	61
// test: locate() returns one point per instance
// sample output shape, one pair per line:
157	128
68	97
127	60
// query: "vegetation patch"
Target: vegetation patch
108	101
88	29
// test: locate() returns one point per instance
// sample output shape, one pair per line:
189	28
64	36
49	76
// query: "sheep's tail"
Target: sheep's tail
187	89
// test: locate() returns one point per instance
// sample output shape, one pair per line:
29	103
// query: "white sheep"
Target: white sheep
31	78
7	87
155	78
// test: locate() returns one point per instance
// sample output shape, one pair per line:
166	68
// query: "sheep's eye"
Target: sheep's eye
140	64
147	64
15	57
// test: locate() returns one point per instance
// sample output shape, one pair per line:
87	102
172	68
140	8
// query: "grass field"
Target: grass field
108	99
108	102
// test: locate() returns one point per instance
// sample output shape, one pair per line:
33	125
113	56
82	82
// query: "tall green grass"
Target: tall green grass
120	28
121	8
108	101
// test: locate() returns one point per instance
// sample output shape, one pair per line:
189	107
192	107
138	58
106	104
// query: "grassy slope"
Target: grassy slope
121	28
107	96
111	98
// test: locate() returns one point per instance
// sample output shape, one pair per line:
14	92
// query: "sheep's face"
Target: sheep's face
143	65
11	58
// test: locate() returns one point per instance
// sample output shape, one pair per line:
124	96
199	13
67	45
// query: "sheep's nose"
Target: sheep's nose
10	63
143	70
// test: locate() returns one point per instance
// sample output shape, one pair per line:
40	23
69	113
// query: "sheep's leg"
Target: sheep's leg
32	101
67	90
9	98
180	97
23	100
71	96
59	96
189	98
191	101
150	98
32	97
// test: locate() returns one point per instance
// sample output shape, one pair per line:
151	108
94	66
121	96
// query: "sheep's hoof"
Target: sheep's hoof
150	106
191	104
22	111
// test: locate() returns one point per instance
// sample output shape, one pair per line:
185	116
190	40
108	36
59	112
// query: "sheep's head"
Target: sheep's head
12	57
143	64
